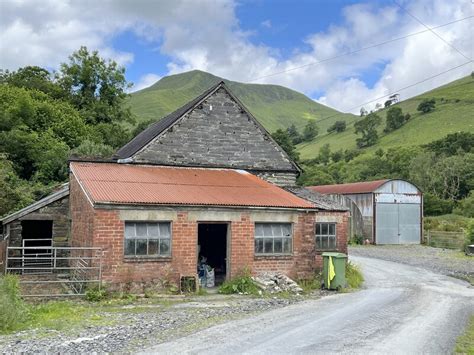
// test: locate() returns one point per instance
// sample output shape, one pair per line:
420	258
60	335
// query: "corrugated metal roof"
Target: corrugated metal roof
351	188
146	184
319	200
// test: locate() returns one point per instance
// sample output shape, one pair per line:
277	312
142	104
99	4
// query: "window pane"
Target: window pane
153	247
278	245
332	229
287	245
318	228
164	247
276	230
324	242
129	247
141	247
141	230
267	230
259	230
332	242
258	245
324	229
268	245
165	231
129	230
153	230
286	229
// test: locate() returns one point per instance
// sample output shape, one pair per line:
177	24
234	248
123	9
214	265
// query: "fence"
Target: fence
48	271
448	240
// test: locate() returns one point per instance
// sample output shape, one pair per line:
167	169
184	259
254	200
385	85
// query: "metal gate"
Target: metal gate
49	271
397	223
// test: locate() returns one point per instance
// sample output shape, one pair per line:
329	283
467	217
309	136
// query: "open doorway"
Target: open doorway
37	233
212	248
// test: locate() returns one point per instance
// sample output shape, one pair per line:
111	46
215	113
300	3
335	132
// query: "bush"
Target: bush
435	206
356	240
242	284
95	294
354	276
466	206
427	105
12	309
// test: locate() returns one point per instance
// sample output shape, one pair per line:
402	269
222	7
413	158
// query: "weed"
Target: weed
465	343
240	284
309	285
12	309
96	294
201	291
354	276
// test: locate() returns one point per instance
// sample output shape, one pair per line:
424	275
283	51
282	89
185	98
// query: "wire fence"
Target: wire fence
442	239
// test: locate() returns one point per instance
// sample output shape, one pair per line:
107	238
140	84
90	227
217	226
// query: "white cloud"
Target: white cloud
206	35
266	24
145	81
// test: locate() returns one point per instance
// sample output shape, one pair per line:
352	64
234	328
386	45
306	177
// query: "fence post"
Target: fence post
54	259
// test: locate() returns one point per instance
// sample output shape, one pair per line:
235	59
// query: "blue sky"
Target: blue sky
251	40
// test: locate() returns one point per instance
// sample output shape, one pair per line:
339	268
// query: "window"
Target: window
147	239
273	238
325	235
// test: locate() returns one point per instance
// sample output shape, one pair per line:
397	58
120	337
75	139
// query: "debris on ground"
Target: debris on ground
276	282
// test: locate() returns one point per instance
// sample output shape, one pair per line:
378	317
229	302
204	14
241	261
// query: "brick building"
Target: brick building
205	181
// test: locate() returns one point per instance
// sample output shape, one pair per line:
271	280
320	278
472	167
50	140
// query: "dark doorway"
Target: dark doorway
212	245
37	233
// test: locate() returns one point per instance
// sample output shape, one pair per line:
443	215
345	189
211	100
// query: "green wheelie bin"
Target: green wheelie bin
334	270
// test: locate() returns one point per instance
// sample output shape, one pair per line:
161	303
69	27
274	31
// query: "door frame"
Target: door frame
228	244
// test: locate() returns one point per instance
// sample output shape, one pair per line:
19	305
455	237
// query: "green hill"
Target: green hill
454	112
274	106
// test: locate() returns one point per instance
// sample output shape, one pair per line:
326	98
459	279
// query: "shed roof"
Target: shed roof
62	192
112	183
351	188
318	199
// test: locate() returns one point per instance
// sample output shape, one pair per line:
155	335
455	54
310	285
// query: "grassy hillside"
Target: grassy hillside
274	106
454	112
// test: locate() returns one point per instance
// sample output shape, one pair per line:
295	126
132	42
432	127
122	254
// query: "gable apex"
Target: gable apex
219	94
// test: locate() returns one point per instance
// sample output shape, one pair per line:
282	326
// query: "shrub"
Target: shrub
12	309
466	206
354	276
96	294
427	105
241	284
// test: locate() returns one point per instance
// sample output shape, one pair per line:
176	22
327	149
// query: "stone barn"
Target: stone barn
392	210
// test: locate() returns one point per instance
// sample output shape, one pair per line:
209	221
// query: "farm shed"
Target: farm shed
392	210
44	223
156	222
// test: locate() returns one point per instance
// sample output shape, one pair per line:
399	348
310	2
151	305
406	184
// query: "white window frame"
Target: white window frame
285	240
329	236
150	236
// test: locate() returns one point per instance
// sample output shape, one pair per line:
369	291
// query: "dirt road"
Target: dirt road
402	309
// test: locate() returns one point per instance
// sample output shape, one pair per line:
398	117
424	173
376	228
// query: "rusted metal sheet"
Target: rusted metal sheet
397	198
139	184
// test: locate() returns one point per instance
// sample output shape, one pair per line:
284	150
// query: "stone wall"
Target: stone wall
278	178
217	133
57	211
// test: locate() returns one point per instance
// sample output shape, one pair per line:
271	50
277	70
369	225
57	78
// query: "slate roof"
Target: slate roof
131	184
320	201
62	192
147	135
351	188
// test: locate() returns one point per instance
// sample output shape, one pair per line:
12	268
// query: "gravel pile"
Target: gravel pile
443	261
136	327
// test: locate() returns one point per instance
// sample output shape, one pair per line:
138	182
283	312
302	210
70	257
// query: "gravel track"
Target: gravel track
443	261
401	310
136	326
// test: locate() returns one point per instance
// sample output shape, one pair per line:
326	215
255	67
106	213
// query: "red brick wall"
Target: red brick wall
104	228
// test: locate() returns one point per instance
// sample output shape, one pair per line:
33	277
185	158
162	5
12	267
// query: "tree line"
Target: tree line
46	117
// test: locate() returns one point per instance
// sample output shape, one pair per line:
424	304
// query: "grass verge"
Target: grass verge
465	342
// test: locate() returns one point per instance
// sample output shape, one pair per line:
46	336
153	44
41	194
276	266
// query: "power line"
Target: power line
359	50
431	30
394	92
